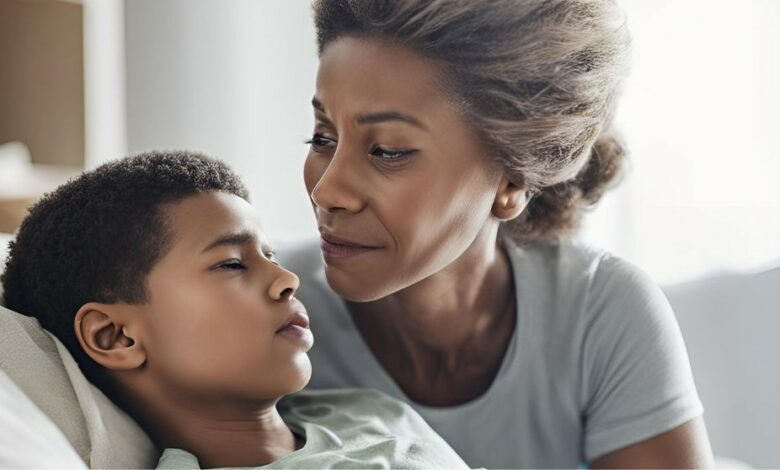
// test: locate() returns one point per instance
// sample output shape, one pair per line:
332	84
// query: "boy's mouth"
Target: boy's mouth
297	317
296	328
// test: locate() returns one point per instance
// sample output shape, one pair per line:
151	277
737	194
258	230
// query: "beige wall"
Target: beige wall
42	79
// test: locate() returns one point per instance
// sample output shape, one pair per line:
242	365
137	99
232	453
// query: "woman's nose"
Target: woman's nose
336	190
284	286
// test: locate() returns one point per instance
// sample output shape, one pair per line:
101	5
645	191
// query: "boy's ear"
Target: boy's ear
510	200
107	338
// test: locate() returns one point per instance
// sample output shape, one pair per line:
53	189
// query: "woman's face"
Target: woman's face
400	186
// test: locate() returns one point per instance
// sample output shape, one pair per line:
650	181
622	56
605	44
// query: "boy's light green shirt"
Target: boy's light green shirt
350	429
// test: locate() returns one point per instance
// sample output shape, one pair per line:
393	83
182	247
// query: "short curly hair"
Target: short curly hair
97	237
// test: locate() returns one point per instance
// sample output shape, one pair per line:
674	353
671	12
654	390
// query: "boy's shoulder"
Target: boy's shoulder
331	406
367	426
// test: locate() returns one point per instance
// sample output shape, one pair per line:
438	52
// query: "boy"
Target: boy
154	273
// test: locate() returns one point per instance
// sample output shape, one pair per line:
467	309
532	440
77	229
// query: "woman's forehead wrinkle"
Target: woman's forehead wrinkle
396	71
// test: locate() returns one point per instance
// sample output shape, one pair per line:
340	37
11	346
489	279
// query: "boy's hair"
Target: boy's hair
97	237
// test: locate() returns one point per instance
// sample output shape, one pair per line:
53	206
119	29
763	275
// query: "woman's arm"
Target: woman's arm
641	405
686	446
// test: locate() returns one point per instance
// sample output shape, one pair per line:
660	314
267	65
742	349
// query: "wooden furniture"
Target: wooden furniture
41	99
21	186
42	83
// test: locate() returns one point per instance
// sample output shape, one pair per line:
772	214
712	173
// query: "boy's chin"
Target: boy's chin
304	373
295	378
270	384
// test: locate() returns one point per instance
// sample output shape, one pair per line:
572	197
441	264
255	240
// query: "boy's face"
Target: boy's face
221	322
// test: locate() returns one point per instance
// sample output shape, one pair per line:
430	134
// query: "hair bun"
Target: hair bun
556	211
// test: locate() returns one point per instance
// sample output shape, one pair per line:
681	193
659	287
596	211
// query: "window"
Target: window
701	117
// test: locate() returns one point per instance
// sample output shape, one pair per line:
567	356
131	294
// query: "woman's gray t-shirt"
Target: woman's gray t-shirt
596	362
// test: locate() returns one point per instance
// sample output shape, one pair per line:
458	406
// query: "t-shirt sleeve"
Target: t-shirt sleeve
177	459
637	377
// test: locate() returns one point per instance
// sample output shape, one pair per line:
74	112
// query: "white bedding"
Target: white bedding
42	369
26	432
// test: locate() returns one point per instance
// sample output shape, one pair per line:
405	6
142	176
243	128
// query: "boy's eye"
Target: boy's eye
232	264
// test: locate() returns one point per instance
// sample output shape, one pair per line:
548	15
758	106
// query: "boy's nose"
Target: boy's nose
285	285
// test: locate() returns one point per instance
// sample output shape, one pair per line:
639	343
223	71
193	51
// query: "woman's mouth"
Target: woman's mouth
334	247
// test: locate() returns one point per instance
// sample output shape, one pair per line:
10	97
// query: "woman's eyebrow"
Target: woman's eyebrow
323	116
387	116
317	104
376	118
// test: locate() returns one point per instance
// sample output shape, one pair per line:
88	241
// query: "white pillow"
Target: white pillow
30	439
730	324
100	433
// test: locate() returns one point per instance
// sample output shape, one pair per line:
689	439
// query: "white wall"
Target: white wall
233	79
701	114
104	81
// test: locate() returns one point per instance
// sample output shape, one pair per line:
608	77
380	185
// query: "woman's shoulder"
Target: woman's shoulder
577	262
587	282
620	300
564	255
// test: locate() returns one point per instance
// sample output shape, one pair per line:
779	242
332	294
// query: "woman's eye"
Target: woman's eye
386	154
232	264
319	142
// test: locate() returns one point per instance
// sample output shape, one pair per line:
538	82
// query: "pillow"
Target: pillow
31	360
100	433
730	323
27	432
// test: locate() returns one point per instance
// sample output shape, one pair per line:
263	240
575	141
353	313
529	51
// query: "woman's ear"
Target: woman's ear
510	200
107	338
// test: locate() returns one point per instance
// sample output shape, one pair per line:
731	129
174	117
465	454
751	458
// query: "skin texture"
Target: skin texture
394	168
201	362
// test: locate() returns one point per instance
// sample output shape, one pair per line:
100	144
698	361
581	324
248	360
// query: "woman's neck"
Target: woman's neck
454	324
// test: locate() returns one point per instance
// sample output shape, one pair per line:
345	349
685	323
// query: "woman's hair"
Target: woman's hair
536	79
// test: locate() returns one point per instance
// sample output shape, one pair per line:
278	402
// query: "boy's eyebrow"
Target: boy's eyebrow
235	238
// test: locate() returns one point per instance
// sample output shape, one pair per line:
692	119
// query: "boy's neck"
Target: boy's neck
222	435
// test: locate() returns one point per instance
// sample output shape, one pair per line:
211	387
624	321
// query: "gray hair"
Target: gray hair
536	79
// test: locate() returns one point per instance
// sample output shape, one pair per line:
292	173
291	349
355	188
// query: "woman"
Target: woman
456	144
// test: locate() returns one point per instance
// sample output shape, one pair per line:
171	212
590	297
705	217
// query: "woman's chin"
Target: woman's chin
355	288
